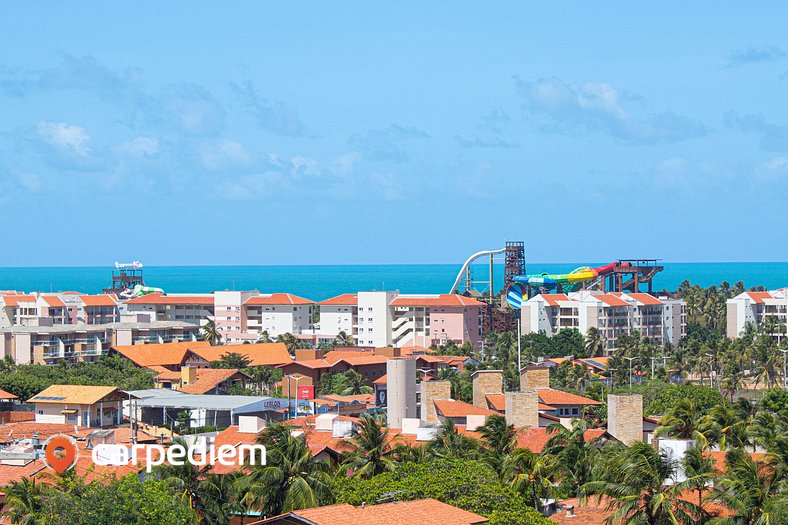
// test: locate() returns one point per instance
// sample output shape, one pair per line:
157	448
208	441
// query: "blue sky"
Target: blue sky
344	132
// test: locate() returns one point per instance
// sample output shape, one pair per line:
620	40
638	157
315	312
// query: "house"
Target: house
425	511
87	406
459	411
191	380
258	354
166	356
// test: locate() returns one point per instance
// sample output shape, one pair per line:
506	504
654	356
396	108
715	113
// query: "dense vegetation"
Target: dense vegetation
26	381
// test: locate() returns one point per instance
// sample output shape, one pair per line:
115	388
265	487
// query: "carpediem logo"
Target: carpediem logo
177	454
60	453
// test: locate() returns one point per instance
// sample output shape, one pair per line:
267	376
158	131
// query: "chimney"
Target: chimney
625	417
522	409
534	376
188	375
430	391
308	354
486	382
250	424
400	389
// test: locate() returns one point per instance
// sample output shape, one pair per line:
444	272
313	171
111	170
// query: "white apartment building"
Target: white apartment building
755	308
189	308
662	320
383	319
244	316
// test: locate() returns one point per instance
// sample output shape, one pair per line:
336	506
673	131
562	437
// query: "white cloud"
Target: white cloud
224	155
65	137
139	147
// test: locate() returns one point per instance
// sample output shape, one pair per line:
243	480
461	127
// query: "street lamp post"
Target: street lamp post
652	367
711	368
630	359
519	352
785	380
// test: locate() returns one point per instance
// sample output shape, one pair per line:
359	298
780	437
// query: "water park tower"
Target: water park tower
125	276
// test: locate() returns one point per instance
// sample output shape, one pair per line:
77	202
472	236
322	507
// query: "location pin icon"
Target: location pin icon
60	453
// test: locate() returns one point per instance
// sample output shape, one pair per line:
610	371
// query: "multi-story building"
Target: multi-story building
382	319
244	316
662	320
189	308
761	310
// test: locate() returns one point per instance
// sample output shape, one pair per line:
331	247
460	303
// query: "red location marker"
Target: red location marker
60	453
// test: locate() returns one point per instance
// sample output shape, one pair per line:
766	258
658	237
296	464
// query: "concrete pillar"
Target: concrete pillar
430	391
522	409
486	382
625	417
401	390
534	376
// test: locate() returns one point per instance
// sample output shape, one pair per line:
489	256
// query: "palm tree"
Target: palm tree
751	490
290	480
264	337
529	474
595	343
218	501
633	478
210	333
683	422
499	440
354	384
343	339
449	443
724	427
262	376
289	340
184	478
700	472
23	501
372	448
574	455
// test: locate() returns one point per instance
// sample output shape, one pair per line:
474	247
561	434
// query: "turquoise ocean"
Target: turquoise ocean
321	282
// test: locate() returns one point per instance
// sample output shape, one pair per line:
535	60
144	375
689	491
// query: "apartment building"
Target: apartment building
662	320
188	308
758	309
384	319
244	316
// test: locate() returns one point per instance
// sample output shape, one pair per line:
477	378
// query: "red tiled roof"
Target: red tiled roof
14	300
497	402
759	297
259	354
164	354
157	298
313	363
610	299
552	397
535	438
436	300
346	299
645	299
450	408
278	299
11	473
7	395
97	300
424	511
553	298
361	360
382	380
54	301
208	379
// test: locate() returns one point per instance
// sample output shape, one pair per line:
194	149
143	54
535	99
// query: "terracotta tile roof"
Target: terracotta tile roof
645	298
360	398
16	416
435	300
54	301
98	300
157	298
610	299
553	298
24	429
7	395
382	380
535	438
361	360
259	354
719	459
496	402
346	299
335	355
165	374
313	363
72	394
759	297
172	354
424	511
276	299
210	378
14	300
450	408
552	397
11	473
233	437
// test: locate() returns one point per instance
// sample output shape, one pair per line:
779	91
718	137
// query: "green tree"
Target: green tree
23	501
499	441
531	475
595	343
683	422
343	339
211	334
574	455
371	448
354	383
449	443
232	360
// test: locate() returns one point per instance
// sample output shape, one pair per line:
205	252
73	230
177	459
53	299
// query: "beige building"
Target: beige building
755	308
85	406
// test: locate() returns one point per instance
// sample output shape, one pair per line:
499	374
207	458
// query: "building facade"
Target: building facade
764	310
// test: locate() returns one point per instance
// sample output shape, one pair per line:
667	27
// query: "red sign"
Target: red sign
306	392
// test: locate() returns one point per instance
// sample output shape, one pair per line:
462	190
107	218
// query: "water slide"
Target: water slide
140	290
568	281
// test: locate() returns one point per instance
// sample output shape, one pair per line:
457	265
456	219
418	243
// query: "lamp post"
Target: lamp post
612	376
519	337
630	359
711	368
424	371
785	380
652	367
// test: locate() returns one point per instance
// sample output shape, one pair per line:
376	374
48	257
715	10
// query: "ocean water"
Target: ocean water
321	282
